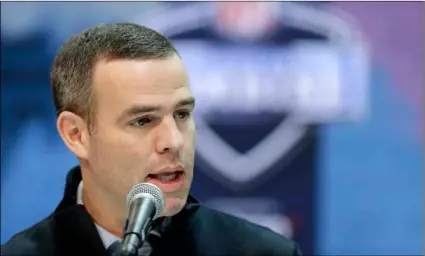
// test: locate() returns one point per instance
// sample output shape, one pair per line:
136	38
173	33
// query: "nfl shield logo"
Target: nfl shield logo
245	21
286	87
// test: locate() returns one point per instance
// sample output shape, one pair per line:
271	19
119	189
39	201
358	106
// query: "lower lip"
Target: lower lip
169	186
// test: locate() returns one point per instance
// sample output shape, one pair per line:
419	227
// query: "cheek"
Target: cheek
116	153
119	164
191	132
189	145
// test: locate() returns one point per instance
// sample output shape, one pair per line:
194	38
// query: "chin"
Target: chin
173	205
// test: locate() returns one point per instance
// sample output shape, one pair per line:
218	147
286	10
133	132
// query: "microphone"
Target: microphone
145	203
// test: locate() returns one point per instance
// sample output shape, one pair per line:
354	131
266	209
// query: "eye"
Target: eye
141	121
182	114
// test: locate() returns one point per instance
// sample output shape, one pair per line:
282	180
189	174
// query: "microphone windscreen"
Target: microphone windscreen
147	189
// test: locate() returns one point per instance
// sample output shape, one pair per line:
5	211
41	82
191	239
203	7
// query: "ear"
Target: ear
74	132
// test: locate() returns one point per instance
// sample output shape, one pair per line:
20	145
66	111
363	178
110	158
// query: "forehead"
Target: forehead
122	82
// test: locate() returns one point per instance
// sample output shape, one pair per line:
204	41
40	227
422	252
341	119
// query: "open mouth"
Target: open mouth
167	177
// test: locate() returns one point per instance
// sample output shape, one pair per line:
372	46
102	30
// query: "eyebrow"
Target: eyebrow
140	109
186	102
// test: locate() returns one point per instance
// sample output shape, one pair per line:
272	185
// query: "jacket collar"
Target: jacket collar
74	226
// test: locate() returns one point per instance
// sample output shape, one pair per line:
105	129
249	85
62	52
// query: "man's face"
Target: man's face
143	127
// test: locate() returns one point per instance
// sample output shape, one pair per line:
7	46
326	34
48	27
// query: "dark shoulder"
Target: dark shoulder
28	241
247	237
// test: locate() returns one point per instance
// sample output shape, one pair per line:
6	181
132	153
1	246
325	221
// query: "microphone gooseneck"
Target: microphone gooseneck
145	203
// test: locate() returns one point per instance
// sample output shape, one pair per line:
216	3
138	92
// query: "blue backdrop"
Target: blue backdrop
344	187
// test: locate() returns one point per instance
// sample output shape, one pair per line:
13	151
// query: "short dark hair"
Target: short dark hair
72	69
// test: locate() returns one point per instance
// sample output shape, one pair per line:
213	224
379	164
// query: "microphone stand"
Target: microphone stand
132	242
130	245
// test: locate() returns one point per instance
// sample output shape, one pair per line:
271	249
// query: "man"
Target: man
124	108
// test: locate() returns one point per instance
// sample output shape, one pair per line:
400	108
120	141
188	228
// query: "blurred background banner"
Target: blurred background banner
309	115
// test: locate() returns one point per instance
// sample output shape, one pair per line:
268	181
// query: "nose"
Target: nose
169	138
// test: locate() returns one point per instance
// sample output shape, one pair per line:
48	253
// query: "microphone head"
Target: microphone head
147	190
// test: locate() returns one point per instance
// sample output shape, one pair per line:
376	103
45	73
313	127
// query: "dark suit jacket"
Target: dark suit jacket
196	230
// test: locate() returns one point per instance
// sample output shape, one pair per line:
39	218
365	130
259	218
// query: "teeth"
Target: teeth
167	177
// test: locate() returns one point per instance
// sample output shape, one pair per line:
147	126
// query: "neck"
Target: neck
103	212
